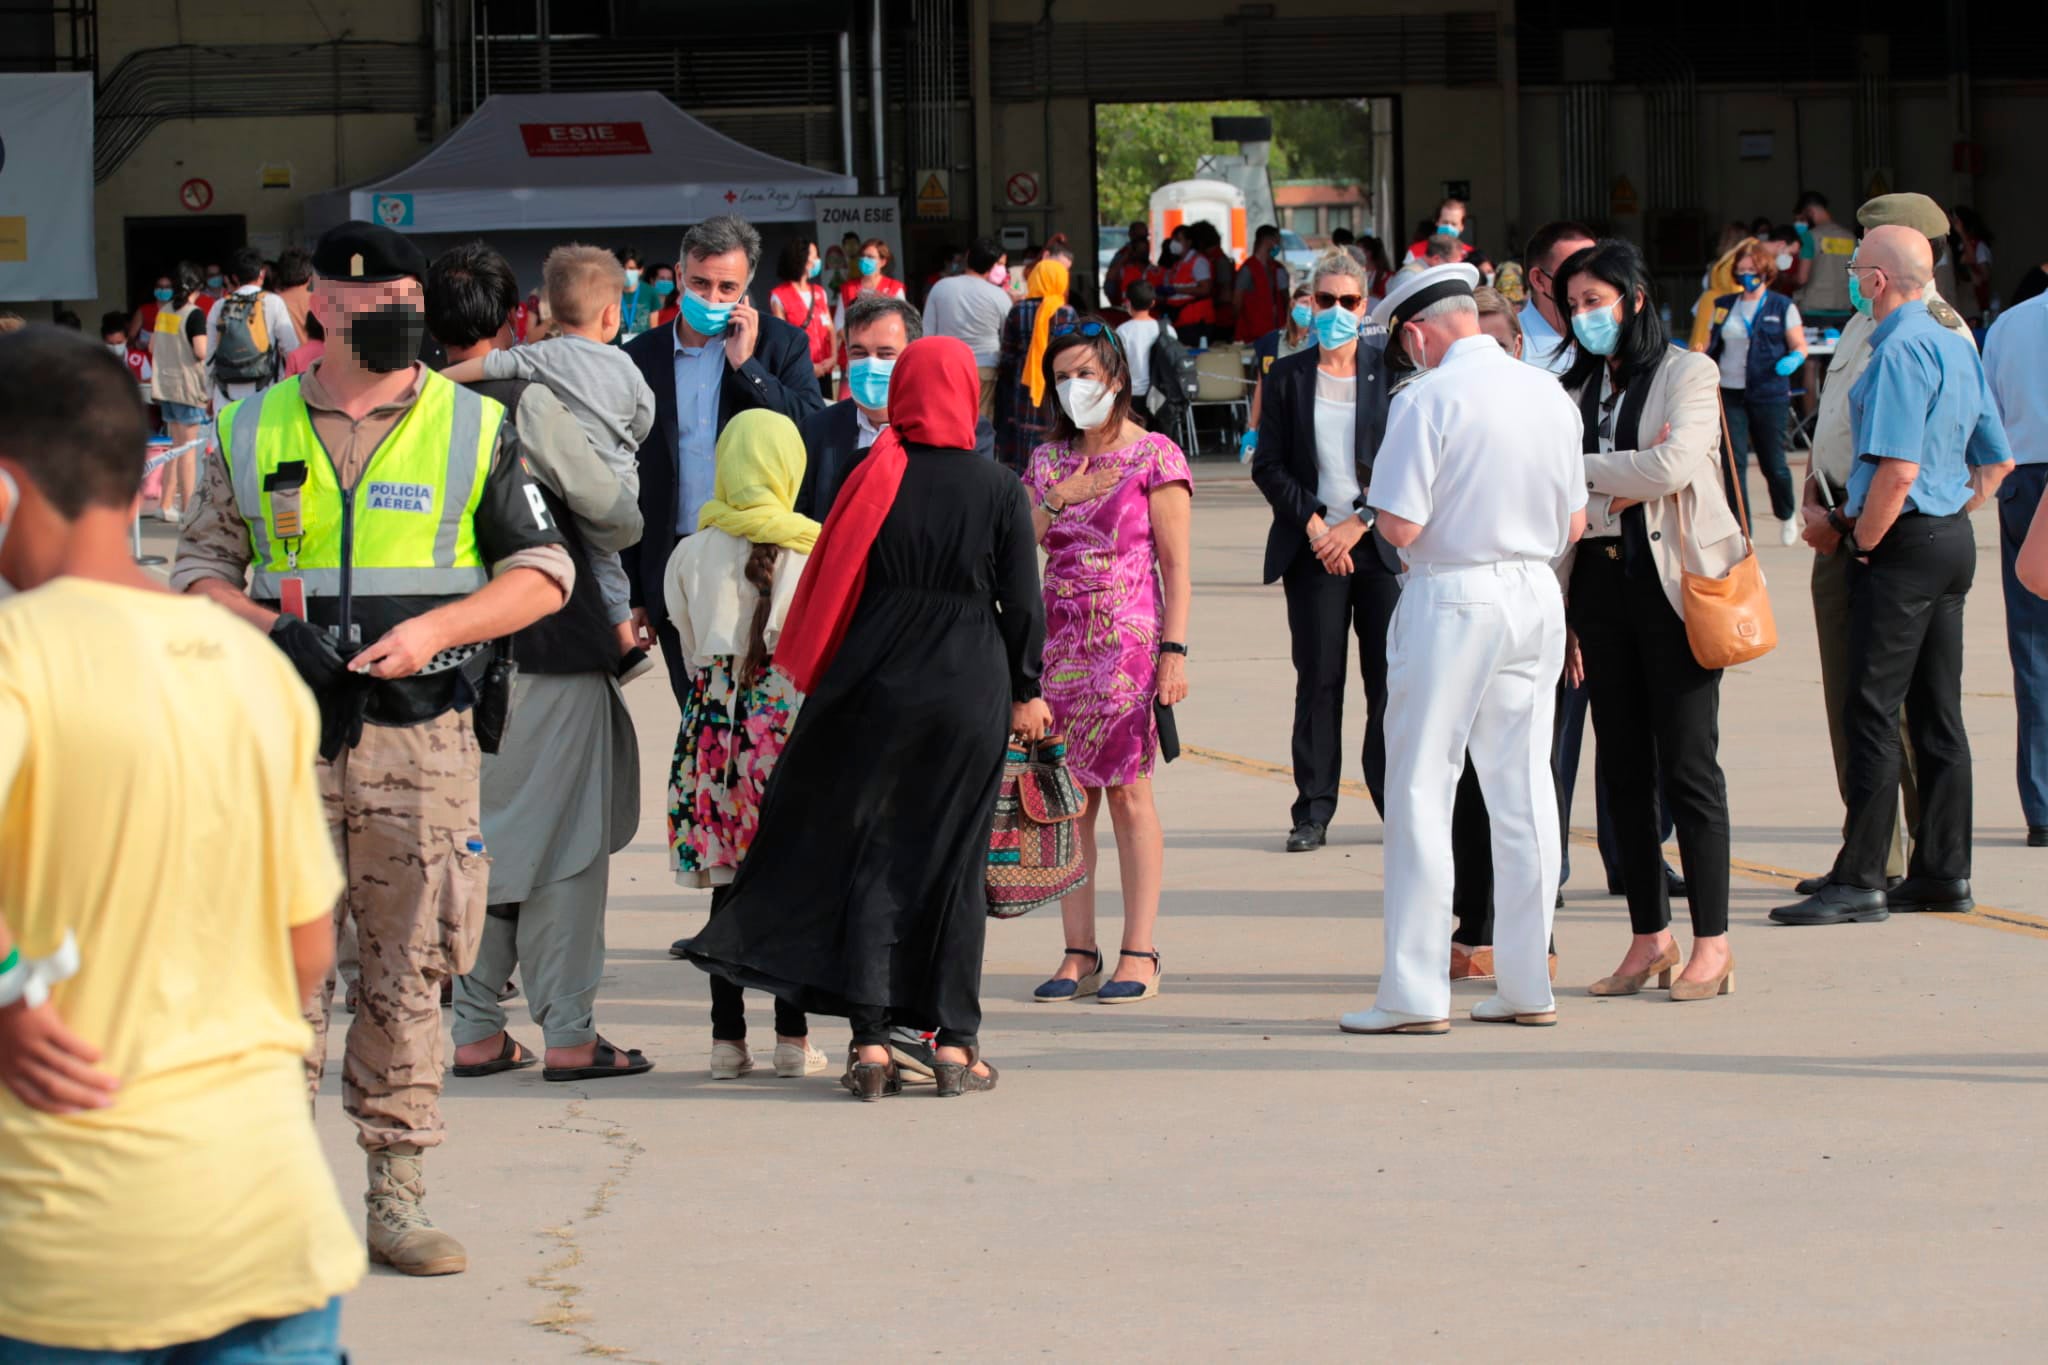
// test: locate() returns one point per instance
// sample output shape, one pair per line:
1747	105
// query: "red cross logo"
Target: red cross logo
730	197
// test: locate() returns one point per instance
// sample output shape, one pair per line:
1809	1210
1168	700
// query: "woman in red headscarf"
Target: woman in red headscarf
915	634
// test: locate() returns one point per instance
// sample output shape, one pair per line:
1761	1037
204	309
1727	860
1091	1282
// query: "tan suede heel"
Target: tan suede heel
1631	983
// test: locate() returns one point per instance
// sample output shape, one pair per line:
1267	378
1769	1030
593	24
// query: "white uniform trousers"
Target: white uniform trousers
1473	658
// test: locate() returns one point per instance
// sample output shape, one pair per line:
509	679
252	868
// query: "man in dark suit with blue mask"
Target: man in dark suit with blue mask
720	358
878	329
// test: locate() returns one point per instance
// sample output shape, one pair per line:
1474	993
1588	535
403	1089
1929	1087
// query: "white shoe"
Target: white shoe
1494	1010
1788	531
791	1060
1392	1021
169	511
730	1061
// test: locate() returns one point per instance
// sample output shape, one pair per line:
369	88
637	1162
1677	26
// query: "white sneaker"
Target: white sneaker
169	511
1494	1010
791	1060
1788	531
730	1061
1392	1021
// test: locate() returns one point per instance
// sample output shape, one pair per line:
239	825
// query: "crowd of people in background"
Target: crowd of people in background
827	514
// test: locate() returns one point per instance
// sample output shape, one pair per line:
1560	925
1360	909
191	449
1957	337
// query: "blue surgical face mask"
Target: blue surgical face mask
868	380
1336	327
1857	300
632	280
1447	229
1748	282
1598	330
164	296
705	318
817	267
870	266
663	288
215	281
1303	315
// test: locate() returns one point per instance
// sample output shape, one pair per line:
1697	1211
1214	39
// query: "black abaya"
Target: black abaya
864	889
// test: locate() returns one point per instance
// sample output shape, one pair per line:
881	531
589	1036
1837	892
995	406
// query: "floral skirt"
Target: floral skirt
730	741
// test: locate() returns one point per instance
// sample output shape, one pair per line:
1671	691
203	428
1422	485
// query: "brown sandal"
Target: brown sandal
870	1081
956	1079
511	1057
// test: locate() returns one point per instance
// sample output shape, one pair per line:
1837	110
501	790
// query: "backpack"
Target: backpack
1174	376
242	352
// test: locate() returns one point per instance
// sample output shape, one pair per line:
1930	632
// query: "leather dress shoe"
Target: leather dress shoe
1835	903
1937	895
2037	836
1308	836
1808	885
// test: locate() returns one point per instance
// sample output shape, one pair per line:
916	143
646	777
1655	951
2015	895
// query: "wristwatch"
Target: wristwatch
1841	524
1857	551
1050	509
1173	647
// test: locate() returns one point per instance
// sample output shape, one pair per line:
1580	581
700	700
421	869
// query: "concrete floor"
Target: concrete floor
1836	1163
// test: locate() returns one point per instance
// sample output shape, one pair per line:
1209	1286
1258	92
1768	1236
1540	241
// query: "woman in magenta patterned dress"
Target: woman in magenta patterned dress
1112	509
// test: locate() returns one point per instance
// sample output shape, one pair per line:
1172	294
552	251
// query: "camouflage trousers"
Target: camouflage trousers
403	807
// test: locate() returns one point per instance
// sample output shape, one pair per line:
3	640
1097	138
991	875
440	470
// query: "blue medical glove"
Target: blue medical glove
1789	363
1246	446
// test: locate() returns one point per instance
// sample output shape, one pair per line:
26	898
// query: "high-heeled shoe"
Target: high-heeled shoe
1059	990
1724	984
1631	983
955	1079
870	1081
1130	992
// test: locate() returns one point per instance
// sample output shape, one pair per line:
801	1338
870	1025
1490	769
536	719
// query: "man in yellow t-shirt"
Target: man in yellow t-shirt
166	886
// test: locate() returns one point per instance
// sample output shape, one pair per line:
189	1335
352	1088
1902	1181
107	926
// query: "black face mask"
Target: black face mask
387	337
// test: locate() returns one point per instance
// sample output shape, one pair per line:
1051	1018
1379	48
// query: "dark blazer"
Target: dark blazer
1284	466
832	449
778	377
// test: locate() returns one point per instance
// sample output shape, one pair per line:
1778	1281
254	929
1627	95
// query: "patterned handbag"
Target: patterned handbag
1034	848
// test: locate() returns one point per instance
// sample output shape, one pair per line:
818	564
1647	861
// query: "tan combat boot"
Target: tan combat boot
400	1233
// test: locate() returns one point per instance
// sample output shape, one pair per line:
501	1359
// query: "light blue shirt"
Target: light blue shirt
699	371
1923	399
1541	345
2016	366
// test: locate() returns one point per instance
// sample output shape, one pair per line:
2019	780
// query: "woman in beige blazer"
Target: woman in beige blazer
1654	503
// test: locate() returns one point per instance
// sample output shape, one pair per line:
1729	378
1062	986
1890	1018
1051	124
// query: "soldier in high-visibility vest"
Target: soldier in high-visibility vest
391	532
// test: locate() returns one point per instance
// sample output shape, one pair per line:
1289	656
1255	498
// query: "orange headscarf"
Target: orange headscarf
1047	283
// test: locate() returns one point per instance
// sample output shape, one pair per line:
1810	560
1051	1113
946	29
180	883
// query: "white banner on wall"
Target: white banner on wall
865	217
46	225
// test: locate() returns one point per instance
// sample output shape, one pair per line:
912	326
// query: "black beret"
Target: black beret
368	252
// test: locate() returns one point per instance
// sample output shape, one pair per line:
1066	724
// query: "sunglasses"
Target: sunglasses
1348	302
1090	329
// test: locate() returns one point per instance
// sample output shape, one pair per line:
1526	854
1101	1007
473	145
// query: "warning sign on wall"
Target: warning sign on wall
935	194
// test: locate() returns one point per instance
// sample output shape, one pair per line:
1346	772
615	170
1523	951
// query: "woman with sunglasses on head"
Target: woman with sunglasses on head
1112	505
1656	510
1321	416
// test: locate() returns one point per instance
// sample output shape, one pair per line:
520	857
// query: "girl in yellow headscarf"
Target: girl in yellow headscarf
728	588
1023	418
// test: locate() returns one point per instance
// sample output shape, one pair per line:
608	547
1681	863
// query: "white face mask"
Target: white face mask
1087	401
1784	262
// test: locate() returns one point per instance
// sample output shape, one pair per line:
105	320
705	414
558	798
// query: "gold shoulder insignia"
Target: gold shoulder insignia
1945	314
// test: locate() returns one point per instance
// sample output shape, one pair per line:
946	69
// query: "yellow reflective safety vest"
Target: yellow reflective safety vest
407	528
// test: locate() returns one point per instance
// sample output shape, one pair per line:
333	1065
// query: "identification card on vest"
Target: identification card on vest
292	597
401	497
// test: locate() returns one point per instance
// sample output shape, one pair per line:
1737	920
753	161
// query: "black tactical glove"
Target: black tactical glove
341	695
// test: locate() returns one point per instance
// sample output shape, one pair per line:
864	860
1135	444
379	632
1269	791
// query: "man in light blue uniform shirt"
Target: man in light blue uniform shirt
1929	449
2016	365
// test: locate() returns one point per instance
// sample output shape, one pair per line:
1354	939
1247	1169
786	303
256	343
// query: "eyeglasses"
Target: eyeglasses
1090	329
1348	302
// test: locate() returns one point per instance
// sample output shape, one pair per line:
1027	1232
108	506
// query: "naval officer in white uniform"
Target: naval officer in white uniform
1481	484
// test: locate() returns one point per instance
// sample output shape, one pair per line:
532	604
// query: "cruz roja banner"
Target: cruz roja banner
46	228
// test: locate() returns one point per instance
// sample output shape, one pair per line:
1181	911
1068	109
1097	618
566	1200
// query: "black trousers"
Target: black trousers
1906	645
671	642
1654	708
728	1002
1324	611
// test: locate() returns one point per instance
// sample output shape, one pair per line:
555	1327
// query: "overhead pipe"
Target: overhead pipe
875	93
846	102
